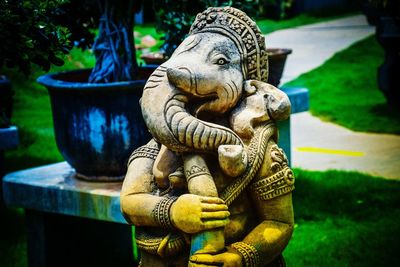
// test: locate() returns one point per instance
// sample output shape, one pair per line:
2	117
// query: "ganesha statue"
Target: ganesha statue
212	188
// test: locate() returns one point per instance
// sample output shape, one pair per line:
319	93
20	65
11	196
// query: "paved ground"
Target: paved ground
313	44
318	145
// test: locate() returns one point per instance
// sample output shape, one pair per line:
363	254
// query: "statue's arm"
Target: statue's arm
268	239
272	198
189	213
137	202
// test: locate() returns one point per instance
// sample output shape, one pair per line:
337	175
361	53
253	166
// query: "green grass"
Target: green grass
32	115
344	90
342	219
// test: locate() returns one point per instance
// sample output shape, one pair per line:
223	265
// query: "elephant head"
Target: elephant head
202	79
186	101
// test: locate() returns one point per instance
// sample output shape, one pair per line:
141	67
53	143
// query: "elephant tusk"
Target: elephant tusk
232	159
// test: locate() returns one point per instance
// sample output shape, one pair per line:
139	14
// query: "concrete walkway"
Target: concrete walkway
313	44
318	145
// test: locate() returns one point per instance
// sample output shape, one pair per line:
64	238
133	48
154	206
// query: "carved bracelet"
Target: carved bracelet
249	253
161	212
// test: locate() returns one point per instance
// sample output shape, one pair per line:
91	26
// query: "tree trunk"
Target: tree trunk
114	47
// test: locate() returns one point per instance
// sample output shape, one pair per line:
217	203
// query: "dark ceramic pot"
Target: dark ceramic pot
97	126
276	62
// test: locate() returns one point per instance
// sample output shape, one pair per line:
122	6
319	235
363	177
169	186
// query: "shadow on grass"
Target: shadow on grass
13	238
33	150
22	162
385	111
344	219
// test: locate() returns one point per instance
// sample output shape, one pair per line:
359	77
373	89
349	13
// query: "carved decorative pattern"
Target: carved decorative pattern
280	183
196	171
249	253
243	31
149	150
161	212
162	244
256	152
279	159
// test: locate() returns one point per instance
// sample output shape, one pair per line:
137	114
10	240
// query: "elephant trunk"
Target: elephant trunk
164	111
181	78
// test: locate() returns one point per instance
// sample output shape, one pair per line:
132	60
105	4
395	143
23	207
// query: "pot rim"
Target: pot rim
275	51
55	81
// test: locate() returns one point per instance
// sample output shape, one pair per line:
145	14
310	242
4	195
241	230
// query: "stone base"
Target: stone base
70	222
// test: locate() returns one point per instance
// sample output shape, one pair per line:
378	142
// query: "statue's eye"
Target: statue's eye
222	61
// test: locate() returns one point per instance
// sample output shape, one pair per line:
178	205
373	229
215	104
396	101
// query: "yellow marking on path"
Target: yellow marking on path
331	151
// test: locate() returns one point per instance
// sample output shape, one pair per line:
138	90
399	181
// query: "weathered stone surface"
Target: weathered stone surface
212	187
53	188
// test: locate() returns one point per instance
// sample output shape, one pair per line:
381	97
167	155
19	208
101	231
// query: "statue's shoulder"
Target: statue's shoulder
275	176
149	150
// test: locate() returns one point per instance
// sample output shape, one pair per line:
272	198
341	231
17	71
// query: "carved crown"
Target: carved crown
244	32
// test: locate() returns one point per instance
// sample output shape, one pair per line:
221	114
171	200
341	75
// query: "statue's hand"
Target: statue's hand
229	258
192	213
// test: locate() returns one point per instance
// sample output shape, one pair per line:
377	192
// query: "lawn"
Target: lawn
268	26
344	90
342	219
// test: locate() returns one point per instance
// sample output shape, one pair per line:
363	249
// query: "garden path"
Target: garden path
313	44
319	145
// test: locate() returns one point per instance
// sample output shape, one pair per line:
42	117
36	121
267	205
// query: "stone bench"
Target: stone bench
8	140
76	223
70	222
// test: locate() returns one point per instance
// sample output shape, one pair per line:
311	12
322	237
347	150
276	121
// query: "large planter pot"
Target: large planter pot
276	61
97	126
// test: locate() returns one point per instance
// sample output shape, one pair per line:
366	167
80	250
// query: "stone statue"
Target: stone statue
212	187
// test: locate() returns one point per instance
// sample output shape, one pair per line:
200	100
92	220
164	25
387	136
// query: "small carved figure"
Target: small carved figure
212	187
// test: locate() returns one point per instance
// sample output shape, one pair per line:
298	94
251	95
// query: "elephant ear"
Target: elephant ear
262	102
